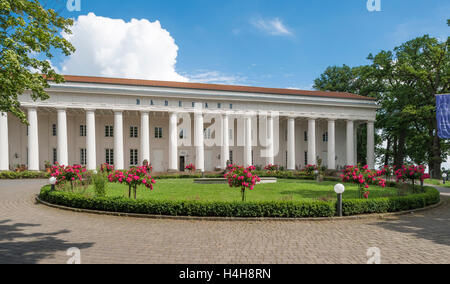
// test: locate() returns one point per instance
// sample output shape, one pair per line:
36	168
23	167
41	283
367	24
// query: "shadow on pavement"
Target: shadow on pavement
19	247
432	225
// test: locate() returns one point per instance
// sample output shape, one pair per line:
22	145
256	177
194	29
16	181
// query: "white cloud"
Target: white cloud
272	26
215	77
107	47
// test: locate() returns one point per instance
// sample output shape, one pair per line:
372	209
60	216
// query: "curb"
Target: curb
240	219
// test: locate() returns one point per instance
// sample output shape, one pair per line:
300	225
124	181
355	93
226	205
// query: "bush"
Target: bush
191	208
23	175
281	209
430	196
100	184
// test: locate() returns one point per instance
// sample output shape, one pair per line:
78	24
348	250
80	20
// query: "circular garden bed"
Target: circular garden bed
289	198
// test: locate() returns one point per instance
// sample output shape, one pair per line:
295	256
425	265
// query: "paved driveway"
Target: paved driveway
31	233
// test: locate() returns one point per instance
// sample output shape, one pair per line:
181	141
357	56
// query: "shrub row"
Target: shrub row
281	209
429	197
23	175
191	208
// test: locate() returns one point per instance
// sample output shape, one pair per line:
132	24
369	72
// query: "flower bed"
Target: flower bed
281	209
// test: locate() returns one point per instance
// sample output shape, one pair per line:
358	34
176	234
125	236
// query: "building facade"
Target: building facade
92	120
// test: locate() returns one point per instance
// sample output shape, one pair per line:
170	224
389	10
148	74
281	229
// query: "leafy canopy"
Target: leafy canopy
28	32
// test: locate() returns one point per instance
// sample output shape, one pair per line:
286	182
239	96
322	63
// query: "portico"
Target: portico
91	121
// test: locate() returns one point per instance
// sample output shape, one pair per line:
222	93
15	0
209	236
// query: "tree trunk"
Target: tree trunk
400	155
387	155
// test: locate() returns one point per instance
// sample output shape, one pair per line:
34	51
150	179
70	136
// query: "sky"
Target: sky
285	44
267	43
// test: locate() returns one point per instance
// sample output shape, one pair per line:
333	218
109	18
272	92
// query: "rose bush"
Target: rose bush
191	168
242	178
106	168
363	177
133	178
271	168
69	174
412	173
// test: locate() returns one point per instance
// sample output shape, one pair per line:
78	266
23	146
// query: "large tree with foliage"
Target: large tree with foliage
405	82
29	37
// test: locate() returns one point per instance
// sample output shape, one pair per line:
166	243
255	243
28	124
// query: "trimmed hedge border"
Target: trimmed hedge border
266	209
23	175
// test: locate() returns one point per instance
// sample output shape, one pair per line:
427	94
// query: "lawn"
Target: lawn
284	190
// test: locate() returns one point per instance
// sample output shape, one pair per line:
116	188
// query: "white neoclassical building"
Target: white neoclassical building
92	120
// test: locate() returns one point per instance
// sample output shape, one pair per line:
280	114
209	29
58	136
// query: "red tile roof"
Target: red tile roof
215	87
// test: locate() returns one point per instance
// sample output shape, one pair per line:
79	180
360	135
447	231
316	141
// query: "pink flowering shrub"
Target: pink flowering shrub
106	168
310	169
363	177
191	168
271	168
69	174
242	178
412	173
133	178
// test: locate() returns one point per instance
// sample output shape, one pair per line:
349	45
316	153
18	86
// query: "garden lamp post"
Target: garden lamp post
52	182
316	175
444	177
339	189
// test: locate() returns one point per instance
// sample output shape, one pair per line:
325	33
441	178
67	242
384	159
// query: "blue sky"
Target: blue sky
284	43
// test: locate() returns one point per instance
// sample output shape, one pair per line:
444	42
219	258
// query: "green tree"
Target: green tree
29	37
405	82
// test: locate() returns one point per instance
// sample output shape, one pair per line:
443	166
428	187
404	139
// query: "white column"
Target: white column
90	140
118	141
4	152
371	145
312	142
145	137
248	142
173	142
63	156
225	141
331	144
270	141
199	143
291	144
350	143
33	140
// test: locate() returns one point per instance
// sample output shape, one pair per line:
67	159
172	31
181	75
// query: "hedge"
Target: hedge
191	208
23	175
281	209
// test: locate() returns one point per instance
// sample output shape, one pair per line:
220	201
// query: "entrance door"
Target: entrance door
325	159
182	163
157	161
209	161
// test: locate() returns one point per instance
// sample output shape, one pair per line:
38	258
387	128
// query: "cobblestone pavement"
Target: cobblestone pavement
32	233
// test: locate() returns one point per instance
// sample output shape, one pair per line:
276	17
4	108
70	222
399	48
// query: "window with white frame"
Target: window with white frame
109	131
231	157
306	158
82	130
54	131
55	156
134	157
134	132
207	133
325	137
306	136
109	156
82	157
182	134
158	132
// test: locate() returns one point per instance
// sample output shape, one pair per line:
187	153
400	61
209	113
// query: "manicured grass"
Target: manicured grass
284	190
433	181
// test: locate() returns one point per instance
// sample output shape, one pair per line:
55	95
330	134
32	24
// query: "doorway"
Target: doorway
182	163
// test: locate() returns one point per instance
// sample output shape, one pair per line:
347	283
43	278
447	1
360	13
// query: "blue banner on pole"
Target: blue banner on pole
443	115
